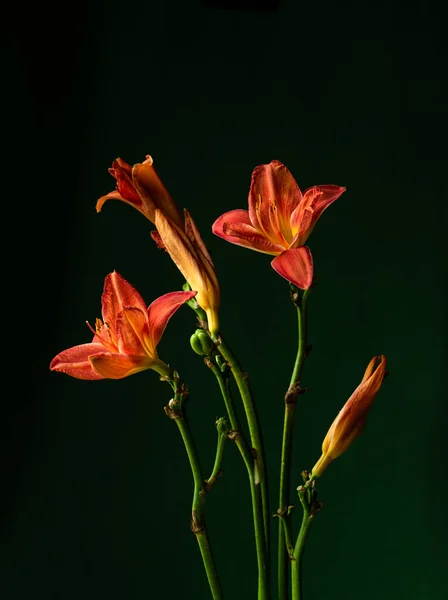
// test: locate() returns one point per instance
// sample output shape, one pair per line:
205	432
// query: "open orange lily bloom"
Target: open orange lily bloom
141	187
279	220
125	340
190	255
351	420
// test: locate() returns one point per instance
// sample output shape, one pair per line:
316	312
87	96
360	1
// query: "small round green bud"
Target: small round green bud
201	342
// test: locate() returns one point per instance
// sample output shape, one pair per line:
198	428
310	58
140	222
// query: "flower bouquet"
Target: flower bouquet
279	221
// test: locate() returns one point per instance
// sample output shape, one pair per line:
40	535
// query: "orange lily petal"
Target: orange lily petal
273	185
235	227
117	294
295	265
132	327
160	312
315	201
117	366
75	361
153	193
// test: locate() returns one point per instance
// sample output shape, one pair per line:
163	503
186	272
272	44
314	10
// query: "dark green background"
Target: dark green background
96	488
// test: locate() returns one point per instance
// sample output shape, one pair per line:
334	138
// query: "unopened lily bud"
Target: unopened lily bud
201	342
223	425
190	255
351	419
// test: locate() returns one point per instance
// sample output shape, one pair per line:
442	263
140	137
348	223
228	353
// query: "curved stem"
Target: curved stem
198	526
254	429
288	429
216	471
248	458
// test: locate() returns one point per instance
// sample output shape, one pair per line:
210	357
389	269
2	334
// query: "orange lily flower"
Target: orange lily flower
279	220
125	340
141	187
191	257
351	420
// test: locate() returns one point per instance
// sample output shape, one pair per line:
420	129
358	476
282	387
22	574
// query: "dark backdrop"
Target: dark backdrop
95	484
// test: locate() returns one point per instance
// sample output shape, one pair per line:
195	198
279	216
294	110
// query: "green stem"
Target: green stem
248	458
216	471
288	430
198	526
254	430
296	562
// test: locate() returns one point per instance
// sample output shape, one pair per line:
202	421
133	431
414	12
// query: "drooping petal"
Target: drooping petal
273	185
153	193
235	227
75	361
160	312
118	293
132	327
118	366
295	265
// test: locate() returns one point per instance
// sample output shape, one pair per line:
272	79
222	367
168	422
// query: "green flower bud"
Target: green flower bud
201	342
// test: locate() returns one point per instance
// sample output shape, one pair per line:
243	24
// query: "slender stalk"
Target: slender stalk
254	430
248	458
288	430
296	562
198	526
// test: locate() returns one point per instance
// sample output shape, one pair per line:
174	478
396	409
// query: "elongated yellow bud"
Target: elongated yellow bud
191	257
352	418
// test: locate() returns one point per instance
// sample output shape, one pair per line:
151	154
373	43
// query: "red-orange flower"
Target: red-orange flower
141	187
279	220
351	420
125	340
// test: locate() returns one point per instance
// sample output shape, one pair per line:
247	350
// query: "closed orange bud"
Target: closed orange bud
191	257
351	419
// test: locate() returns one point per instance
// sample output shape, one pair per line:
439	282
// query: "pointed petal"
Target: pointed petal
295	265
235	227
117	366
153	193
75	361
315	201
273	185
118	293
132	325
160	312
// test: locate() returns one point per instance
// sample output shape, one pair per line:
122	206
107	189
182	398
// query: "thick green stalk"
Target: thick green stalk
288	430
198	526
248	458
254	430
